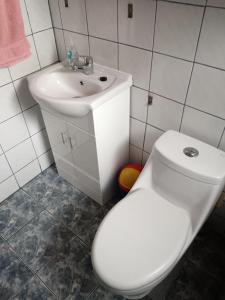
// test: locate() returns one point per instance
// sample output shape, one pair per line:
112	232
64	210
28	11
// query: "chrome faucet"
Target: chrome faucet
81	63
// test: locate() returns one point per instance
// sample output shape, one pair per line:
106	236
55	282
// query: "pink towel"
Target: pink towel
14	46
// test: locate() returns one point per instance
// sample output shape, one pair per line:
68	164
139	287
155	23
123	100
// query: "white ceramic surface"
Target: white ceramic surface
74	93
145	234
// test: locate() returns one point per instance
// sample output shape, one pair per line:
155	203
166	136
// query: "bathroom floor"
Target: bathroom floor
46	232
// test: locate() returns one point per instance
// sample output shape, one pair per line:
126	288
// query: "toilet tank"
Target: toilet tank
188	173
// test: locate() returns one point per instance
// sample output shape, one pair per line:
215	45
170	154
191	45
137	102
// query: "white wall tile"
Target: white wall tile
23	93
8	187
207	90
137	132
4	76
60	44
41	142
104	52
46	160
222	142
28	173
145	157
34	119
165	114
139	104
217	3
151	135
137	31
211	46
135	155
5	170
170	77
27	66
46	47
39	14
74	16
177	29
26	21
13	131
102	18
21	155
79	41
136	62
9	105
55	12
18	132
202	126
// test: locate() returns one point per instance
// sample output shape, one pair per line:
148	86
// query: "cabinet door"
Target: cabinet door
84	151
58	137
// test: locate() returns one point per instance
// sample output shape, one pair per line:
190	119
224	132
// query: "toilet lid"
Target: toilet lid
139	240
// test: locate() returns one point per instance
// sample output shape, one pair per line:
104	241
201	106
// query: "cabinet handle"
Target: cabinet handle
63	139
71	144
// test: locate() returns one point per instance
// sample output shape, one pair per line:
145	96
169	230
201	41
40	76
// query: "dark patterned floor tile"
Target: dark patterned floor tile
74	211
70	273
41	241
87	236
42	183
16	211
34	290
193	283
207	250
102	294
13	273
50	186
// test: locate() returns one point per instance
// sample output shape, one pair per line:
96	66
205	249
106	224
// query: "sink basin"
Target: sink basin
74	93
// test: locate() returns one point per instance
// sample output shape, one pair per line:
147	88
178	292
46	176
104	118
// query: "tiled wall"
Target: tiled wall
24	146
175	52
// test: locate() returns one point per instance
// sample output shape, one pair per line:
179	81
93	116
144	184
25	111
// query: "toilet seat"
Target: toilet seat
128	257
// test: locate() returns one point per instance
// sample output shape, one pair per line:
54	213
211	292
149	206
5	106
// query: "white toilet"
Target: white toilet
143	237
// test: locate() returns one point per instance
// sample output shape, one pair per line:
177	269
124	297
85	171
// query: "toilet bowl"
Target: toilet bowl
142	237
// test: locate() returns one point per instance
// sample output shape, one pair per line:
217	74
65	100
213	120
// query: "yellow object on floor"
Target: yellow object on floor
128	175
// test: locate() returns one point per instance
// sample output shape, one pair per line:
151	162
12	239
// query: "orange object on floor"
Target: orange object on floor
128	175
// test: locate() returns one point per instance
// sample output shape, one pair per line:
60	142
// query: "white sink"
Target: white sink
74	93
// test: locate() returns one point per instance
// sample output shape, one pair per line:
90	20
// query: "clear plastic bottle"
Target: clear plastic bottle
72	55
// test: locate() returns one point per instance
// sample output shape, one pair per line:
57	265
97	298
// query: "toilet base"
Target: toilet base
137	296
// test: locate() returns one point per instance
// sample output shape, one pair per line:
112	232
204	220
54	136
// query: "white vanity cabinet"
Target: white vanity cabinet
90	150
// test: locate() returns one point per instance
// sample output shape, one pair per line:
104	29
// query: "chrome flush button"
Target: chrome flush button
191	152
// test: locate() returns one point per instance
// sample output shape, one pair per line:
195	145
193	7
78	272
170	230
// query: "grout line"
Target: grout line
147	124
16	115
28	267
144	49
221	137
85	5
5	151
182	3
179	103
149	84
30	34
25	124
63	33
192	4
75	235
205	112
50	11
29	19
189	83
37	275
117	27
